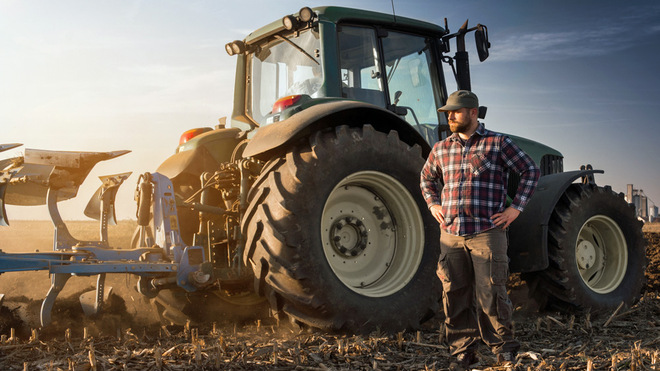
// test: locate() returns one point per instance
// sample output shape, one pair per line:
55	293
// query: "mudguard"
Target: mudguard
528	234
202	153
329	114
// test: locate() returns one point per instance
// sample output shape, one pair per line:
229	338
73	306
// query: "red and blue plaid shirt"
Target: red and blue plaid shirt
468	179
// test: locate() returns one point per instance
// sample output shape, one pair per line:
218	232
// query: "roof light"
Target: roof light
238	47
290	22
235	47
228	49
306	14
285	102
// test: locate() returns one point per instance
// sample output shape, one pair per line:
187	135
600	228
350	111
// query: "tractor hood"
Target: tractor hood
535	149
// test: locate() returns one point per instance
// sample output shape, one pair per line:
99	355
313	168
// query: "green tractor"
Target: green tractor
307	199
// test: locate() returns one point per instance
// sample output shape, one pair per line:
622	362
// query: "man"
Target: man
464	183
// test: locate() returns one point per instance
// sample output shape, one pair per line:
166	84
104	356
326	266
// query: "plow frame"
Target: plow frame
167	263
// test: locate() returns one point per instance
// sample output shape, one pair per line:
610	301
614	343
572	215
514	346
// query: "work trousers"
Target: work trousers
474	270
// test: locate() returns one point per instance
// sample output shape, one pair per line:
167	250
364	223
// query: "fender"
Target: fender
528	234
202	153
329	114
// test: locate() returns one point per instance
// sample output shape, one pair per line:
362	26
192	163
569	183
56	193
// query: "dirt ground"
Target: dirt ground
129	337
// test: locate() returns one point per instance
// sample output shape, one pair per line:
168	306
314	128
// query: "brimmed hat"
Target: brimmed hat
460	99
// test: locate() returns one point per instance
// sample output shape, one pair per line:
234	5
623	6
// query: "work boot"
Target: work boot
463	361
506	359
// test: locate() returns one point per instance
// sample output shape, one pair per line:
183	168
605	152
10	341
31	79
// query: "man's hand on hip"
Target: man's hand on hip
437	214
505	218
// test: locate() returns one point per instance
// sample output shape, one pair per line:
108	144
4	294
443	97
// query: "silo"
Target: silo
643	206
653	213
629	194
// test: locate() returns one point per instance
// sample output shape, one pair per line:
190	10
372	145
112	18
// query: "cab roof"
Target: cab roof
335	14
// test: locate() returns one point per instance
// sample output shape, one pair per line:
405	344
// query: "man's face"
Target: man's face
460	121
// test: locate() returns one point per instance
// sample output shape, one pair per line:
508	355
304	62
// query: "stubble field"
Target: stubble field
129	336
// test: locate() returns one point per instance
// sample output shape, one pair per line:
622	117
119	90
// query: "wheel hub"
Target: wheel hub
586	254
372	233
601	254
349	236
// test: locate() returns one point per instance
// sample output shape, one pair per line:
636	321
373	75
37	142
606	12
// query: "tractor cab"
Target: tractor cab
330	53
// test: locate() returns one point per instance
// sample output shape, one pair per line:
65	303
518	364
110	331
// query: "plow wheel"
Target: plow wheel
596	249
339	236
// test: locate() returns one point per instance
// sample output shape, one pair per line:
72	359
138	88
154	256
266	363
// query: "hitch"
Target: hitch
166	262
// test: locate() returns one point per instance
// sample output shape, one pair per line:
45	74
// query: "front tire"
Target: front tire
596	249
339	236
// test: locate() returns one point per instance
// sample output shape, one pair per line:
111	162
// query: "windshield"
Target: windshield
280	68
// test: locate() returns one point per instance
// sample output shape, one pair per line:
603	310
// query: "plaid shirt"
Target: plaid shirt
468	179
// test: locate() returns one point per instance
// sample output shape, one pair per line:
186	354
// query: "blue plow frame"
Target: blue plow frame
166	263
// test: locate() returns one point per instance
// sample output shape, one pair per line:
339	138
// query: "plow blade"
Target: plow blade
3	211
41	169
92	301
29	186
7	169
70	168
27	180
105	195
8	146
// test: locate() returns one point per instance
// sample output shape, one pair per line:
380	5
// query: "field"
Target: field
129	336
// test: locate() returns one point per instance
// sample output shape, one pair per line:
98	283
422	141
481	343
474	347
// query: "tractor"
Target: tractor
305	203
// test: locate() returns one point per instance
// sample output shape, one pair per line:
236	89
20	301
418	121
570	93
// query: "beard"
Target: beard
461	126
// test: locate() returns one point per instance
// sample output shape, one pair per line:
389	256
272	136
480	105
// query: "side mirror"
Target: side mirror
481	39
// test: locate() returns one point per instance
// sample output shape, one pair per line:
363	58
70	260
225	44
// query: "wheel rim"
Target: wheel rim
372	233
601	254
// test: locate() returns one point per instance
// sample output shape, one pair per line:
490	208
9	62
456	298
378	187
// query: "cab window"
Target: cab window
359	65
413	84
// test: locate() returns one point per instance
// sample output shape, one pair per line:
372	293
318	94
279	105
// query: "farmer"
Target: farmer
464	183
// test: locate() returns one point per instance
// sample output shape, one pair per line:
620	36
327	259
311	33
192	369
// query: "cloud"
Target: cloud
559	45
584	38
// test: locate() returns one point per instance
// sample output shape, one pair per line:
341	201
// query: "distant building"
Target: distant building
641	202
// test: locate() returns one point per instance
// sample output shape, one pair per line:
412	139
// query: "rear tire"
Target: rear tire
339	236
596	249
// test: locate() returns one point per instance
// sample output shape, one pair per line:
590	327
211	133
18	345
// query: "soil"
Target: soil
128	336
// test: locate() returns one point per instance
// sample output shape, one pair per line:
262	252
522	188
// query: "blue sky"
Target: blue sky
580	76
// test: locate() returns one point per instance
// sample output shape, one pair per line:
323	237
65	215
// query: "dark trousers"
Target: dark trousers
474	270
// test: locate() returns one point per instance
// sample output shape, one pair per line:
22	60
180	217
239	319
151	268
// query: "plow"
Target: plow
46	175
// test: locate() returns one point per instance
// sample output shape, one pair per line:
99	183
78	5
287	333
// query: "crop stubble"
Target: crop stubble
128	336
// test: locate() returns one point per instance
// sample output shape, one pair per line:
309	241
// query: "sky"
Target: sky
580	76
